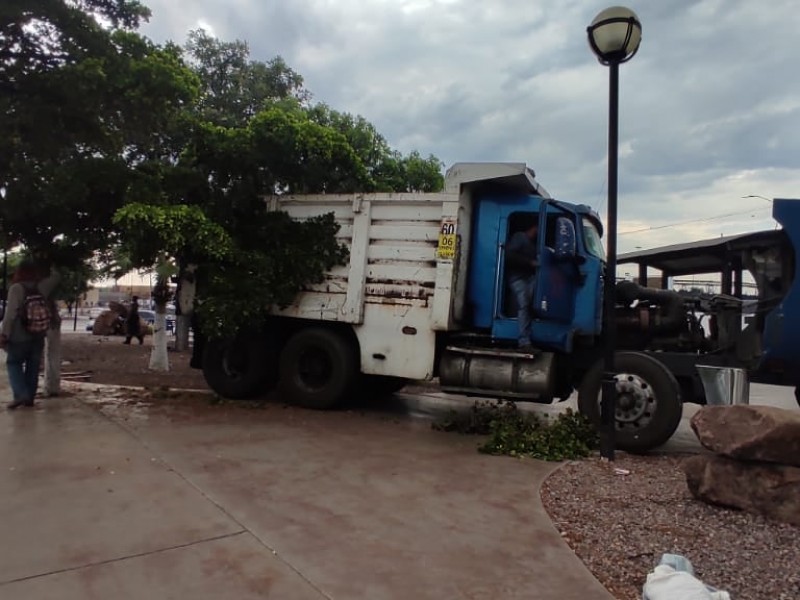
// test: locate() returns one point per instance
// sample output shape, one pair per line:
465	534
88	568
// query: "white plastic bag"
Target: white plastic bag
665	583
673	579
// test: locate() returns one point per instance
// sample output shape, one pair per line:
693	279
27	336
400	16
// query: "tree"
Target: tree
253	133
38	36
86	107
153	236
234	88
244	277
388	169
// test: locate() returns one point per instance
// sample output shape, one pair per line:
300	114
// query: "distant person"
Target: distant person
24	329
521	264
133	324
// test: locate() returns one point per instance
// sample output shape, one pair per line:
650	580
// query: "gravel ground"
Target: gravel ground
619	526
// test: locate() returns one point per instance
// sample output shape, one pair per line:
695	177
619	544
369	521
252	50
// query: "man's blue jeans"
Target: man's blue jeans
23	362
523	289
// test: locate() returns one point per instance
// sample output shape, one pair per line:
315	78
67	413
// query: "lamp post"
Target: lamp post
614	37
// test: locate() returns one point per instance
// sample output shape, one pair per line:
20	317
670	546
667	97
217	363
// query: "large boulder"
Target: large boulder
760	433
763	488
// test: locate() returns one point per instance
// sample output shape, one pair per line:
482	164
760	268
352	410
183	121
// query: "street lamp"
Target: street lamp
614	37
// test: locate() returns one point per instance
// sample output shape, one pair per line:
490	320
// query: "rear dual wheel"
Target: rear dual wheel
318	368
240	367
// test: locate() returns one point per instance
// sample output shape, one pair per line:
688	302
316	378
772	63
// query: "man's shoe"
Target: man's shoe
15	404
526	348
28	404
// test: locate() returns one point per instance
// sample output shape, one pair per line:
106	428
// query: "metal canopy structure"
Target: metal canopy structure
717	255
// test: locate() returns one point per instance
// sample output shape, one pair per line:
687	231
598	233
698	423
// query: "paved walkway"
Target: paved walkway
102	499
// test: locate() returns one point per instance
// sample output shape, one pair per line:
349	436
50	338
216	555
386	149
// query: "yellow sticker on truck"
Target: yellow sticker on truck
446	249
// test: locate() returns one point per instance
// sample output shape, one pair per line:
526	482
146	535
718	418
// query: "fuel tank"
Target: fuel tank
497	373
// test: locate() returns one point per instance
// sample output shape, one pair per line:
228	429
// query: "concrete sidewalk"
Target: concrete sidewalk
100	499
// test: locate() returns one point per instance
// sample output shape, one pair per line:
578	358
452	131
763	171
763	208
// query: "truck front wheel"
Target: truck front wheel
318	368
648	406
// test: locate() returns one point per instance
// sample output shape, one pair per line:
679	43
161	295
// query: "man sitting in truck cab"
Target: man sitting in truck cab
521	263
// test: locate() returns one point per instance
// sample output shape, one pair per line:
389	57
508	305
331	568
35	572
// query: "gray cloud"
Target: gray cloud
709	106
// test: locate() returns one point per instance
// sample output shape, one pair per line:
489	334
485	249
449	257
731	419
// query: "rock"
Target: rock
763	488
761	433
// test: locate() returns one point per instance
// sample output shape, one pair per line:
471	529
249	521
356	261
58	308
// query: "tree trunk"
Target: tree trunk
159	359
52	362
182	333
185	305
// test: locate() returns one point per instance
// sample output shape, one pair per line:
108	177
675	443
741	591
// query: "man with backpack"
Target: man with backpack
27	318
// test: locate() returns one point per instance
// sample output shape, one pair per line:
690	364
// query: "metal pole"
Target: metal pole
5	273
608	403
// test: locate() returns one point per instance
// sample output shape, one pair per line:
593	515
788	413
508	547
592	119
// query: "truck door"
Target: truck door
557	277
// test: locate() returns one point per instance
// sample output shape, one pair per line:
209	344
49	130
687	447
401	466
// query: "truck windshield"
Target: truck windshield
591	236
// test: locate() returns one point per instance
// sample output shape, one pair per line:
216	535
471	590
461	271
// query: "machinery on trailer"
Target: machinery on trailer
756	331
424	295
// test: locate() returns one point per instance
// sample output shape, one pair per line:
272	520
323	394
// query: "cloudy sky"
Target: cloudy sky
709	107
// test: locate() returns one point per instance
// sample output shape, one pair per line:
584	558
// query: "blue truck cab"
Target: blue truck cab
567	301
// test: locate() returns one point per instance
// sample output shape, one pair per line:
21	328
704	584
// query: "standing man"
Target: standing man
133	323
24	329
521	264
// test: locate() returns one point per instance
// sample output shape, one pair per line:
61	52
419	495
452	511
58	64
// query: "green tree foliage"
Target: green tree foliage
235	88
388	170
511	431
86	103
286	256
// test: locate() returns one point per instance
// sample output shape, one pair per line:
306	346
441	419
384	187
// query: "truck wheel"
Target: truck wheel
238	367
318	368
649	407
380	386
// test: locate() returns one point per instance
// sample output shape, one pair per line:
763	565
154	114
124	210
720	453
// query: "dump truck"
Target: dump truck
424	296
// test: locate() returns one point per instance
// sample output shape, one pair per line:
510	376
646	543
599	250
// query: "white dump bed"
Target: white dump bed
396	289
394	260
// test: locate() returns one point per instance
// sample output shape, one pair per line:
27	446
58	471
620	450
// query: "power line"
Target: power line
702	220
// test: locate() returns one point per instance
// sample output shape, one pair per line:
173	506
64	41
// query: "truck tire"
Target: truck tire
239	367
649	405
318	368
380	386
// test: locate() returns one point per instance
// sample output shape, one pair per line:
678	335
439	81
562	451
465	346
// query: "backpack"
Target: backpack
35	313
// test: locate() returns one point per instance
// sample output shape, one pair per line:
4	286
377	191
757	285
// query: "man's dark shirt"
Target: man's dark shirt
520	251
